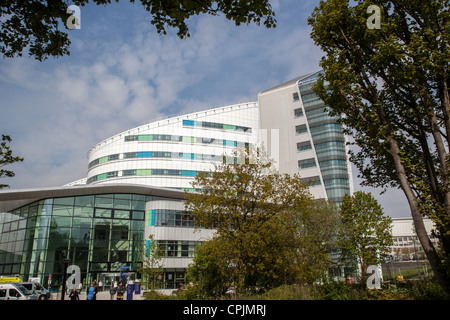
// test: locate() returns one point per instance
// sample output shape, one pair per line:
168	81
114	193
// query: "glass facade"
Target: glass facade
329	142
98	233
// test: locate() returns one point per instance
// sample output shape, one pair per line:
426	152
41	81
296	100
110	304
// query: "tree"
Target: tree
35	23
6	158
365	238
267	226
210	270
152	263
390	84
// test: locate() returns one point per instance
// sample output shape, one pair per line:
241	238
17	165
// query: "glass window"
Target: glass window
130	155
83	212
119	232
122	214
126	173
306	145
313	181
84	201
103	213
131	138
138	215
104	201
308	163
113	157
64	201
122	203
301	129
14	293
137	205
81	228
62	210
60	222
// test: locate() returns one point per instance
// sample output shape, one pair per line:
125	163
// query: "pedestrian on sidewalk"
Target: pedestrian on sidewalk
120	291
92	292
74	294
112	291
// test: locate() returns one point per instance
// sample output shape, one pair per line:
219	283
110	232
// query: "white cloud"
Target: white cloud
121	74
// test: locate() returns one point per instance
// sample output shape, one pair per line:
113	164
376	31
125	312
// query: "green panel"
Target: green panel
144	172
103	159
145	137
188	139
229	127
102	176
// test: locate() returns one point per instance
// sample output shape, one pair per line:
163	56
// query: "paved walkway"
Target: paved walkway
100	296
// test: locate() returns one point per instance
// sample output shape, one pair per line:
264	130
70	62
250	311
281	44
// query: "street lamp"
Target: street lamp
66	262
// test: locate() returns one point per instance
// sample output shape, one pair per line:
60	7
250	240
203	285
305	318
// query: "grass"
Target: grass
409	273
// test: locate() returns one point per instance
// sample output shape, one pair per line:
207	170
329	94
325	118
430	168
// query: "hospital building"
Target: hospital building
136	180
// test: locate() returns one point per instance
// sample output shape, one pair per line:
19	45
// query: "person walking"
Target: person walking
120	290
74	294
92	292
112	291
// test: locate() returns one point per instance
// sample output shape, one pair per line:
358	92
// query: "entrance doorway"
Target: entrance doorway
110	279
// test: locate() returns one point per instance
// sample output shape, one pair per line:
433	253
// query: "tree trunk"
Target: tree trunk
430	251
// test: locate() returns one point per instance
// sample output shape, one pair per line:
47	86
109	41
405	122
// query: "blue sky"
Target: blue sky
122	74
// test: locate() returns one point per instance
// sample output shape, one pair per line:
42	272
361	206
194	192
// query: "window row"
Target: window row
326	127
333	163
145	172
169	155
330	145
215	125
175	138
172	249
165	217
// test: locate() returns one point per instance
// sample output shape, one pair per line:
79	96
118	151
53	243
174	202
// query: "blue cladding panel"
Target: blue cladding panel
188	123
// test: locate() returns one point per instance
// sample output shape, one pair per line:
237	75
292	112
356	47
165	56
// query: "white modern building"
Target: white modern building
406	244
157	162
311	142
169	153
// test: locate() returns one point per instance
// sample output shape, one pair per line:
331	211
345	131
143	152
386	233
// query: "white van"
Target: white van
15	291
37	289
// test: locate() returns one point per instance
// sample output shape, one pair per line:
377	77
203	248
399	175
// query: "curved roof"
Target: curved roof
168	120
12	199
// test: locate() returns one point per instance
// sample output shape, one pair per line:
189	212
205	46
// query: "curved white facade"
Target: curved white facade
289	120
169	153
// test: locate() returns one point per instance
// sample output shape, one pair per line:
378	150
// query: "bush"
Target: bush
424	290
284	292
155	295
338	290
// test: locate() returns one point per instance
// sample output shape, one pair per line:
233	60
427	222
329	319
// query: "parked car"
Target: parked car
15	291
